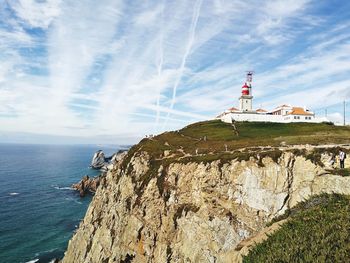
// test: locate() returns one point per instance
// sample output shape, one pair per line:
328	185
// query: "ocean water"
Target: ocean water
38	210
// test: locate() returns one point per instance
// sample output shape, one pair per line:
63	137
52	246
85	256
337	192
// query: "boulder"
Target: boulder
103	163
87	185
99	160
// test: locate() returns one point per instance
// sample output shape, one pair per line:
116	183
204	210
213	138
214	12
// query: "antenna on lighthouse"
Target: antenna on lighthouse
250	76
249	80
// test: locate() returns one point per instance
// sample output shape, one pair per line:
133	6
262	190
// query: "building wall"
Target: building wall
269	118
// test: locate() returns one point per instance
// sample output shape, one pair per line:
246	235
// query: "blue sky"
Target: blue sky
113	71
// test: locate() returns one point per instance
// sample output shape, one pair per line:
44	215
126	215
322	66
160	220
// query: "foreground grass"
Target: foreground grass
317	230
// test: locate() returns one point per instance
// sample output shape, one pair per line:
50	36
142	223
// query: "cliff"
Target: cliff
87	185
180	198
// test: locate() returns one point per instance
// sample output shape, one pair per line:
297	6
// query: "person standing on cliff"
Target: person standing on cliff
342	157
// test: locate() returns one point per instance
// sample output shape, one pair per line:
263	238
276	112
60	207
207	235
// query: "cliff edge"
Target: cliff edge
195	194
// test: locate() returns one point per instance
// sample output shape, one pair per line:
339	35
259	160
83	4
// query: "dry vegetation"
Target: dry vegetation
220	139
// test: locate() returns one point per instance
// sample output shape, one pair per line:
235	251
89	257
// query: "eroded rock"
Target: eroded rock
87	185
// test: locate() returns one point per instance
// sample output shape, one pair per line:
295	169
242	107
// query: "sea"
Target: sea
39	212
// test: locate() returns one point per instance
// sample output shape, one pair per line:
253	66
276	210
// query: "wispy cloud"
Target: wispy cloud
192	31
36	13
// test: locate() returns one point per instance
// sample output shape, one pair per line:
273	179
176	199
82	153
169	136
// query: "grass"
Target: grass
317	230
341	172
263	134
215	136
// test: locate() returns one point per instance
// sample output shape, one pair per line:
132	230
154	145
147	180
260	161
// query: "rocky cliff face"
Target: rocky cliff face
194	211
87	185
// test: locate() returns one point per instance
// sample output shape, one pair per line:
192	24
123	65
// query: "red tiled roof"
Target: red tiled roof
233	109
261	110
299	111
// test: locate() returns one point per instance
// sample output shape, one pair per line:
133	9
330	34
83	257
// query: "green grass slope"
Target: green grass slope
317	230
214	136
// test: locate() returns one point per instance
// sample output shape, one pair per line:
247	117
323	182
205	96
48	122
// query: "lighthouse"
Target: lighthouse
281	114
246	99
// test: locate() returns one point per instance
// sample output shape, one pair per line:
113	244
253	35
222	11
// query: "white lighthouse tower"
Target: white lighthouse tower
246	99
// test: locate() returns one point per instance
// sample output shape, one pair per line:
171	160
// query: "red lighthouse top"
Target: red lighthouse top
245	89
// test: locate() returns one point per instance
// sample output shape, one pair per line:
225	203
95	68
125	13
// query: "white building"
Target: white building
282	114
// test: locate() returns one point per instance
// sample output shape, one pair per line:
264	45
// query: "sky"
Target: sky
112	71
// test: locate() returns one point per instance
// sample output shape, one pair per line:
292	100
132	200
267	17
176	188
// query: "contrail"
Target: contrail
160	66
196	11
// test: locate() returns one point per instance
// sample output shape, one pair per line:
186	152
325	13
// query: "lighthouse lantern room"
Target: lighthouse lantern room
246	99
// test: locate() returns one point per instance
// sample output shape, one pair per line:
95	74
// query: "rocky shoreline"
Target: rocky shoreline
88	185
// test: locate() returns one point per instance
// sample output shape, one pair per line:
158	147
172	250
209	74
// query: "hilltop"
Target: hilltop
212	136
216	140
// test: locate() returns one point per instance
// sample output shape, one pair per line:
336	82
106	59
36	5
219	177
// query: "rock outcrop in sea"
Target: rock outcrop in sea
87	185
99	161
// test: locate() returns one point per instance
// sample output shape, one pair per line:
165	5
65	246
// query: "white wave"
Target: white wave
44	252
14	193
62	188
33	261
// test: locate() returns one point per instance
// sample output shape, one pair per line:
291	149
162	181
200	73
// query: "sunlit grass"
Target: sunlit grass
317	230
215	136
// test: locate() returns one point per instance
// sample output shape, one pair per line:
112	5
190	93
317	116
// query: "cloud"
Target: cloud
336	117
37	13
117	67
192	31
